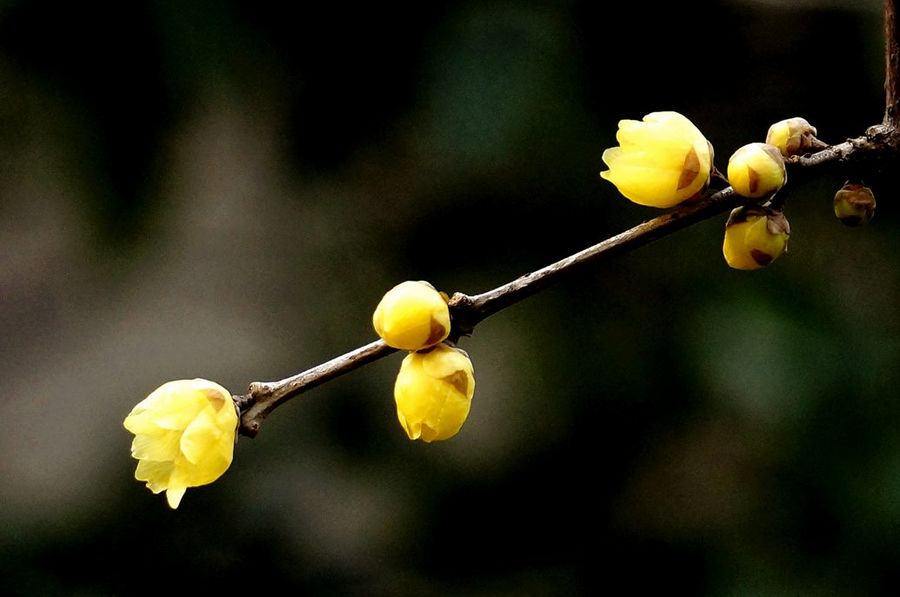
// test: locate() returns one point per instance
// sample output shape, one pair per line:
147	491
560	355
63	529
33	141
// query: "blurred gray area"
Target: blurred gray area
225	190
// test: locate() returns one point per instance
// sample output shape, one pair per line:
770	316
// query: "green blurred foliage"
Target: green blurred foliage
225	190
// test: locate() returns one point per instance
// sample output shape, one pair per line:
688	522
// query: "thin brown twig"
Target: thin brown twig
469	310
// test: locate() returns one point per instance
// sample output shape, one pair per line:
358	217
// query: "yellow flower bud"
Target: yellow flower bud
854	204
660	161
184	436
793	136
756	170
755	237
434	392
412	316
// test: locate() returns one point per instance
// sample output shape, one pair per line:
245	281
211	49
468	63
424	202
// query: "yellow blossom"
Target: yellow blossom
412	316
661	161
755	237
756	170
184	436
434	392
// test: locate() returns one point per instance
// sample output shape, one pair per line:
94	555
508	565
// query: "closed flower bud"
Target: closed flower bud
412	316
794	136
660	161
755	237
434	392
184	436
854	204
756	170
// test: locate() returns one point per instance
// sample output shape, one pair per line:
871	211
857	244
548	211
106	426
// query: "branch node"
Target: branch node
259	390
463	315
243	402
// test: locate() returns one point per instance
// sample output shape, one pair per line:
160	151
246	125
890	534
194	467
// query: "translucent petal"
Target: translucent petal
447	416
200	436
174	495
156	474
171	406
212	463
141	421
178	410
444	361
159	447
658	143
643	184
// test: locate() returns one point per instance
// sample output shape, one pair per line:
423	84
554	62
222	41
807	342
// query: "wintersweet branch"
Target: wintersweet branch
879	142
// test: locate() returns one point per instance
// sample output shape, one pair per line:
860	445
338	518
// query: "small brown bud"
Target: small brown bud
794	136
854	204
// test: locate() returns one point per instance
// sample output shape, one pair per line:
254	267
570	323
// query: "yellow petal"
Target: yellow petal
447	417
171	406
159	447
156	474
445	360
174	495
200	437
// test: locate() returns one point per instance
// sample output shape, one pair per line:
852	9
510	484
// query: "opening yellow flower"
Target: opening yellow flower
661	161
433	392
184	436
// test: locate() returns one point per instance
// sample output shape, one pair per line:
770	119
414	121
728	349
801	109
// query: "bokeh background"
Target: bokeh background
225	190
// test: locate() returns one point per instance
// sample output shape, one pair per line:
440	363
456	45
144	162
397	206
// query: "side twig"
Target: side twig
891	65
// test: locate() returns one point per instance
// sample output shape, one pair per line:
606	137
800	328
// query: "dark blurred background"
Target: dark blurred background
226	189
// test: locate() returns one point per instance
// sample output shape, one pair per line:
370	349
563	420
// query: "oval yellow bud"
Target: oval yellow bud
756	170
854	204
755	237
660	161
793	136
433	392
184	436
412	316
